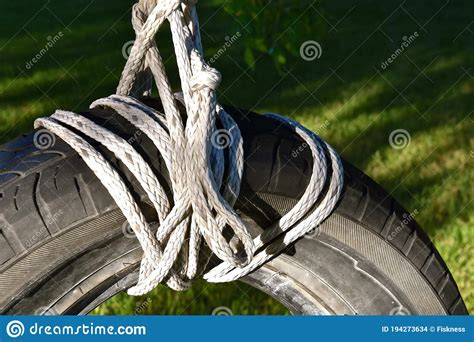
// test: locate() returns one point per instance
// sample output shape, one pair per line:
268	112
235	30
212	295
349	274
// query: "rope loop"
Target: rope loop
198	219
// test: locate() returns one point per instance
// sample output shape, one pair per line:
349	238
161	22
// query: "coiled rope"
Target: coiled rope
200	211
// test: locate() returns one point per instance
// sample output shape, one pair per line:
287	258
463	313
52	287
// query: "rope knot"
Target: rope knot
204	76
210	79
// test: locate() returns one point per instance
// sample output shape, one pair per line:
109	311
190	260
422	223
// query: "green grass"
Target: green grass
427	90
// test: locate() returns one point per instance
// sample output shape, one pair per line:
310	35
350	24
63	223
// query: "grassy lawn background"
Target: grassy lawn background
427	91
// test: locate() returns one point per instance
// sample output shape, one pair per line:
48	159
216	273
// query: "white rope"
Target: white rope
202	200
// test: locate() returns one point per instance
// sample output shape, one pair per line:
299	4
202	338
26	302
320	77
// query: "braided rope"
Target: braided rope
203	198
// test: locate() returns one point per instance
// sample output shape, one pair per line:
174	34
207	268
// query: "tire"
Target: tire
63	251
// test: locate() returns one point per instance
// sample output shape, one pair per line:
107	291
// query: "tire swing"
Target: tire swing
208	192
204	185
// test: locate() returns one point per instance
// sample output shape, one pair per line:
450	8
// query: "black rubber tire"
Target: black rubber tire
62	249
